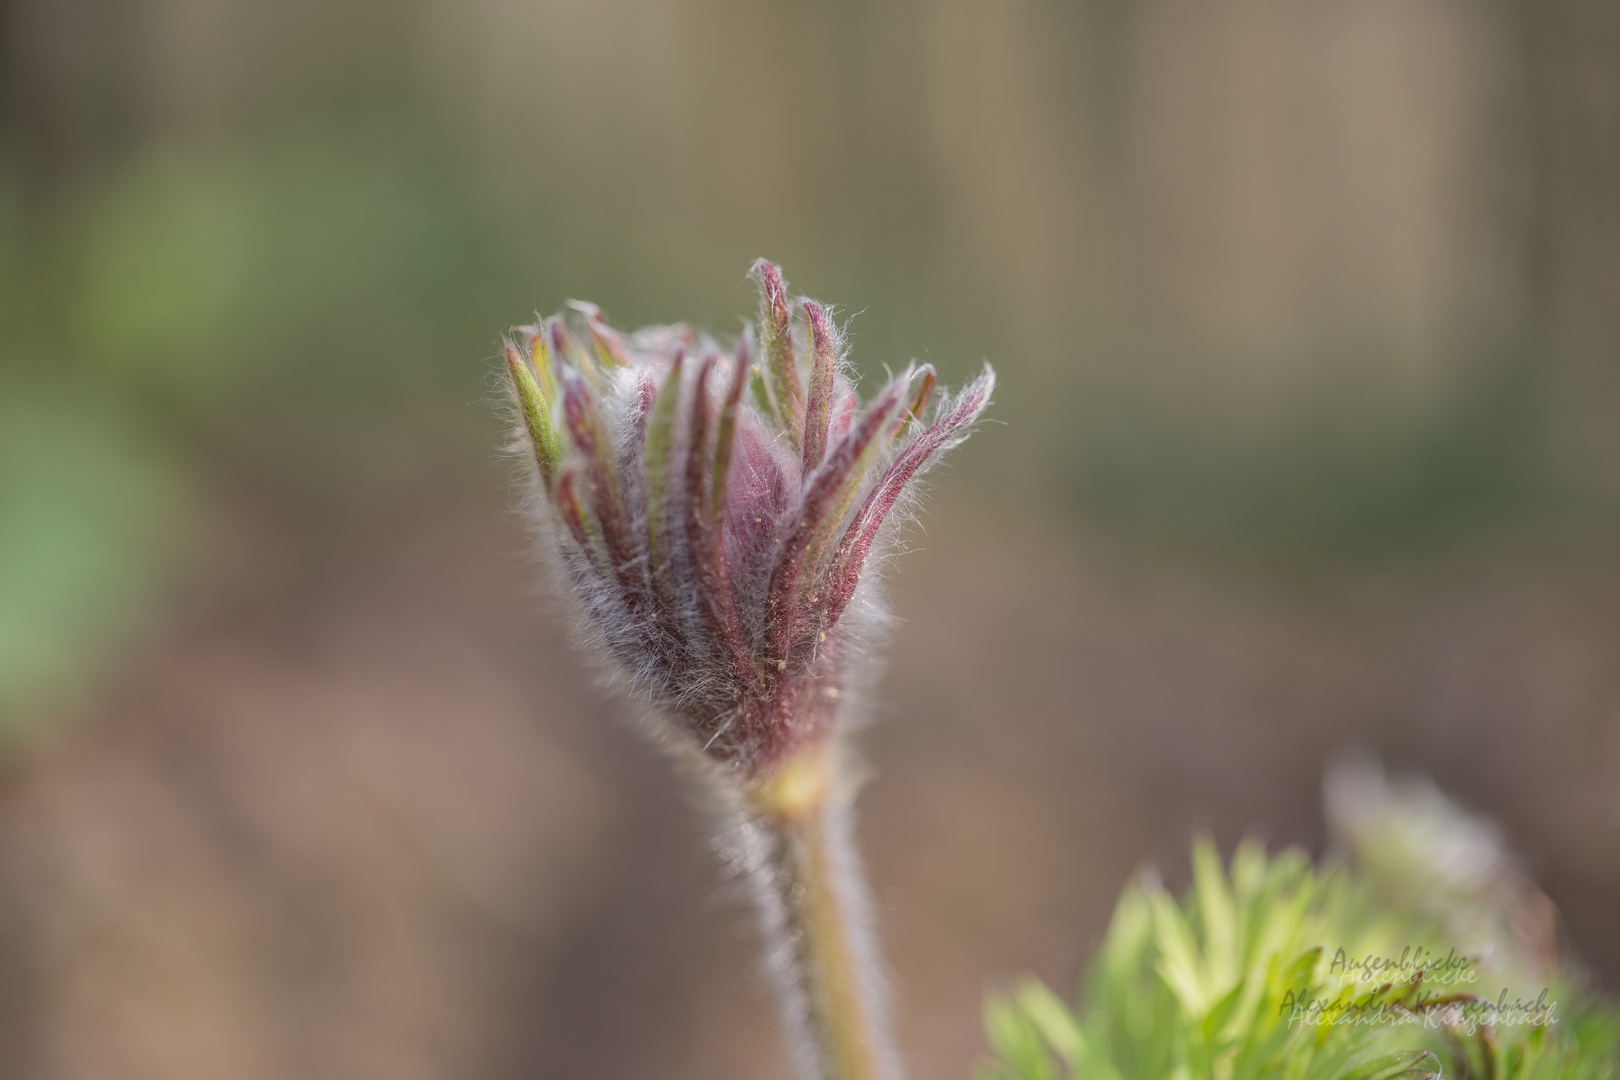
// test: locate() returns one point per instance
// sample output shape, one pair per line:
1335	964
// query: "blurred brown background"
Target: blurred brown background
1307	317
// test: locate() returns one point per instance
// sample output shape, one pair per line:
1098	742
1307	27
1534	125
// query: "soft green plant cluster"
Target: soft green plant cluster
1244	978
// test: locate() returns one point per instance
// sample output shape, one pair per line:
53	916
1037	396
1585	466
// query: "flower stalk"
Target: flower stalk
717	515
814	908
840	1004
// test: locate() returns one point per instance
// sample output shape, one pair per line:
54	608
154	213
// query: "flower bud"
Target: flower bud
716	513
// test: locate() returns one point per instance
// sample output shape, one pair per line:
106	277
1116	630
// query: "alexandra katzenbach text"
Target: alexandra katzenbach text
1468	1013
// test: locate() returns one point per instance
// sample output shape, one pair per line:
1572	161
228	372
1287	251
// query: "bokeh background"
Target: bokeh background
1307	317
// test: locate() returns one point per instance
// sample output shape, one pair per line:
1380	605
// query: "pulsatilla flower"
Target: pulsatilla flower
717	515
717	512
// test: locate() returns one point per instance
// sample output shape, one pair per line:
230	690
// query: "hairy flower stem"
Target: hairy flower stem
814	908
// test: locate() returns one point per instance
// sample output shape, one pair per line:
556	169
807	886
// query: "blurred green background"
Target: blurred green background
1306	316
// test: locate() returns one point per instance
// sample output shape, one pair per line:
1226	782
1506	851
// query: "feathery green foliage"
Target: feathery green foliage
1244	978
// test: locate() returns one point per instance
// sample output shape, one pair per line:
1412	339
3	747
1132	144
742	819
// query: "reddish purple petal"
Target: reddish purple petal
776	340
823	363
818	498
703	532
607	497
721	481
863	530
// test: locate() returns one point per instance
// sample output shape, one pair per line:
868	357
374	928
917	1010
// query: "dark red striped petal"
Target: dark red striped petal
823	363
863	529
819	497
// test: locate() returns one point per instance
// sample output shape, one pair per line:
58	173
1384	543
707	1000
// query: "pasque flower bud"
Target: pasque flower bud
718	512
717	516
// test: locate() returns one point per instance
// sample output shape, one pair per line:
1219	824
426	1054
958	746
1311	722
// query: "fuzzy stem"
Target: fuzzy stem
815	912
